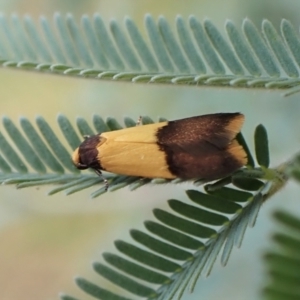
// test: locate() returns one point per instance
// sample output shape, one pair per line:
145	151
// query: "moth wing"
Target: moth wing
201	134
134	159
139	134
203	147
134	152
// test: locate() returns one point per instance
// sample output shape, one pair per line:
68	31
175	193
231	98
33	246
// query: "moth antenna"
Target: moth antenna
106	184
139	121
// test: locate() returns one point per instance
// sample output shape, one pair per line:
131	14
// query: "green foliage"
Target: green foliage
183	244
283	261
90	48
173	244
232	210
261	146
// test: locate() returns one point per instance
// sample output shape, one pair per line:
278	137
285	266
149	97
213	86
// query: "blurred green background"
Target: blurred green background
47	240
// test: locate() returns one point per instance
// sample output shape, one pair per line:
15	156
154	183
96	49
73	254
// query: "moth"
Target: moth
201	147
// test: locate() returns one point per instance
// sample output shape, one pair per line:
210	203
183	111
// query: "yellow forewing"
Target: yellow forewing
134	152
138	134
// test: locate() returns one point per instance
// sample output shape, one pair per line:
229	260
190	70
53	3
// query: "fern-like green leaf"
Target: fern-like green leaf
176	242
284	262
182	245
91	48
262	147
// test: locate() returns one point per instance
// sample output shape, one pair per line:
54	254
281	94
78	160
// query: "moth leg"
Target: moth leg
99	173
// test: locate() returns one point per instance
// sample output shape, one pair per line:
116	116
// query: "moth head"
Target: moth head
86	155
